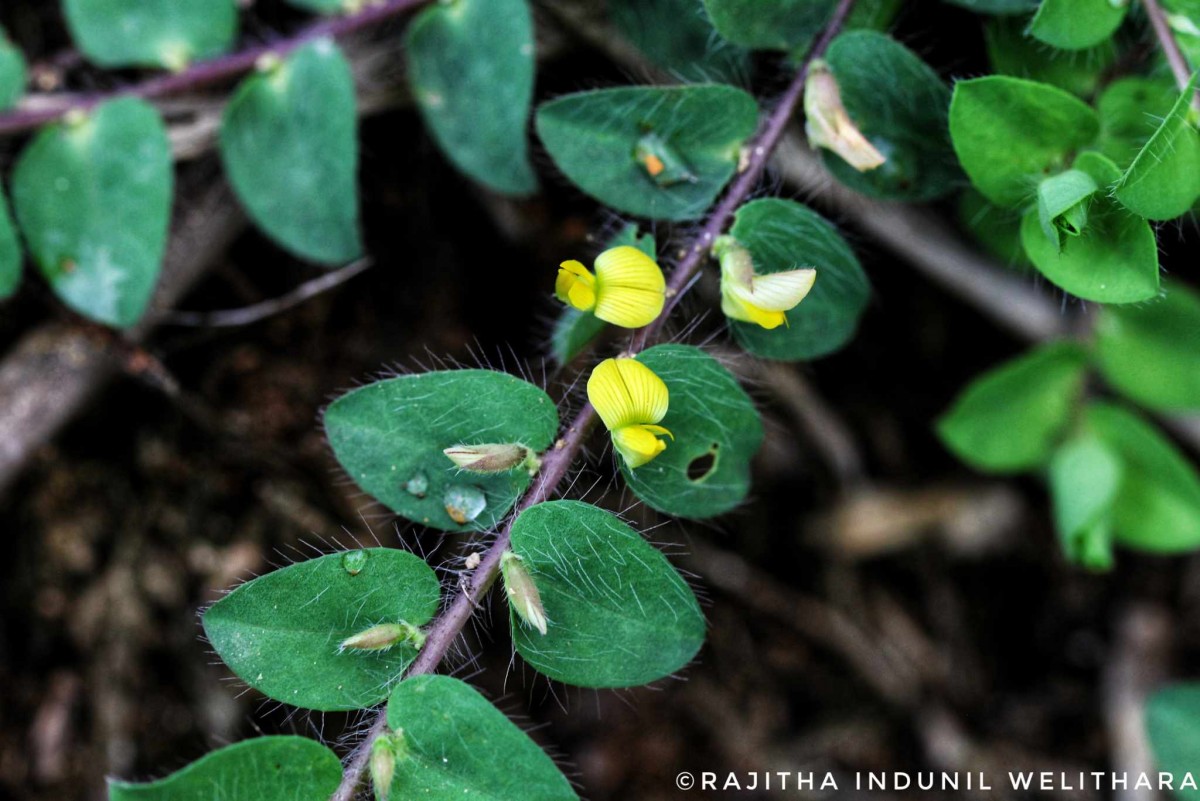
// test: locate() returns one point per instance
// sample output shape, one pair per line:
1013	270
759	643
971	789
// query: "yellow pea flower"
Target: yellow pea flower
827	123
630	399
759	299
627	288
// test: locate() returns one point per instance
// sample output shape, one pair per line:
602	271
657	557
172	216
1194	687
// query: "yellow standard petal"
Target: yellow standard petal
639	444
576	286
630	289
626	392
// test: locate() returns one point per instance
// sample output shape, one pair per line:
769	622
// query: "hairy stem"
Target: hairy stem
557	463
1166	40
212	71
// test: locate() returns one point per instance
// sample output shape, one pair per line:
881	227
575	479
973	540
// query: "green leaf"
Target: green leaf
997	6
280	633
619	615
93	197
677	36
593	138
460	746
1130	110
1010	418
784	235
1151	352
996	229
151	33
389	437
1158	506
325	6
769	24
574	330
1013	53
290	147
1010	133
1164	179
1077	24
1085	477
1173	726
280	768
470	65
1062	204
900	105
13	73
10	252
705	469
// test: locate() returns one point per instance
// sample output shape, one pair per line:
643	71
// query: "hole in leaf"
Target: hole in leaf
702	466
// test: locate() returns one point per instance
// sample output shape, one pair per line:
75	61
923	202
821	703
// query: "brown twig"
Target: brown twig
446	628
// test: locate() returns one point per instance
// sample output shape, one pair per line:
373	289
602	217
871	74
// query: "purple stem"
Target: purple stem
212	71
556	464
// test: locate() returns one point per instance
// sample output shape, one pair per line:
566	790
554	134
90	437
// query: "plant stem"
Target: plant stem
1166	40
557	463
212	71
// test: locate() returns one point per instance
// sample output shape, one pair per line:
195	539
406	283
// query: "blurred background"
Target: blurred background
875	606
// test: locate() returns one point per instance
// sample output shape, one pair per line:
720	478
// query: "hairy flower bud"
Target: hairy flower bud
493	458
828	125
384	636
523	595
385	752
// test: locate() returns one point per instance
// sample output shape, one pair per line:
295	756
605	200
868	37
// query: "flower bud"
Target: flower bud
523	595
828	125
385	752
384	636
492	458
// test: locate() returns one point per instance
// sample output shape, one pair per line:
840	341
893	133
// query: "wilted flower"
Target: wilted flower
828	125
759	299
386	750
522	593
627	288
631	400
492	458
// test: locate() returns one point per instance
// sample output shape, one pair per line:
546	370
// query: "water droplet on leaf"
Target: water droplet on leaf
418	485
464	503
354	561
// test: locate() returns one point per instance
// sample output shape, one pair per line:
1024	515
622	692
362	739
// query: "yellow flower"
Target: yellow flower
759	299
627	289
631	399
828	125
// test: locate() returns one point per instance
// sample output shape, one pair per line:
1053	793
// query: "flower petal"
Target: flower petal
735	306
638	444
628	267
781	291
627	307
575	285
626	392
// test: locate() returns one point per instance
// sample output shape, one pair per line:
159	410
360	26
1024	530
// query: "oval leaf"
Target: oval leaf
1008	419
93	198
389	436
1010	133
784	235
151	33
1077	24
705	469
290	147
1173	726
1130	111
13	73
1158	506
618	614
325	6
470	65
769	24
281	632
460	746
595	138
263	769
900	105
1014	53
1151	352
1164	179
677	36
10	252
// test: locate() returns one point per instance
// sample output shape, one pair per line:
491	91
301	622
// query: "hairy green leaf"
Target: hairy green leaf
594	137
1010	133
281	632
1003	7
389	437
619	614
457	745
1158	506
1010	418
325	6
280	768
1173	726
151	33
1014	53
784	235
1085	477
13	73
705	469
900	105
470	65
1151	352
1164	179
1077	24
677	36
290	147
10	252
1130	112
93	198
769	24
